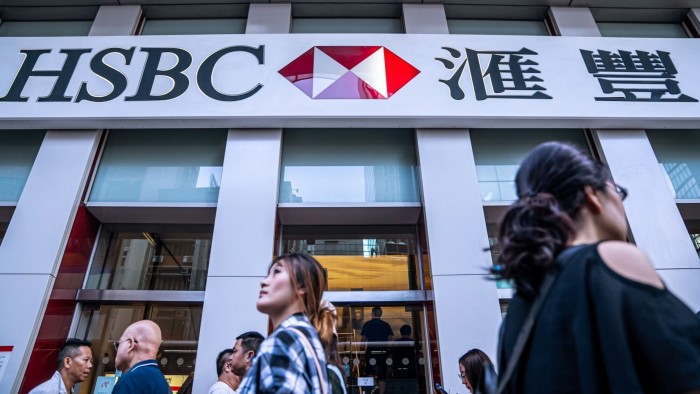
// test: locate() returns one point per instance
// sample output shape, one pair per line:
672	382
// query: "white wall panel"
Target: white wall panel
35	240
466	305
229	311
424	19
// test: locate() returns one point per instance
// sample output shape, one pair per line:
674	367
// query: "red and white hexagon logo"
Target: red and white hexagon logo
349	72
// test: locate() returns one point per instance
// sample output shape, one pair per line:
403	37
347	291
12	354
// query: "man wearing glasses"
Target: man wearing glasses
74	366
136	353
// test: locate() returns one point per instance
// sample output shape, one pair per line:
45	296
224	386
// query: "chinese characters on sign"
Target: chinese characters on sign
496	74
623	75
642	76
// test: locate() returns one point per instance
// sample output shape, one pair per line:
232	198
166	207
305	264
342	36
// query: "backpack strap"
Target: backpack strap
529	323
310	349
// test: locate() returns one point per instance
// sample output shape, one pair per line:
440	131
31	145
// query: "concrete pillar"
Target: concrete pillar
573	22
242	246
655	222
43	216
694	16
269	18
457	236
116	20
424	19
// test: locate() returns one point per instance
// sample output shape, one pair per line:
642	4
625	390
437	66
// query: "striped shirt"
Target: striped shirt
284	365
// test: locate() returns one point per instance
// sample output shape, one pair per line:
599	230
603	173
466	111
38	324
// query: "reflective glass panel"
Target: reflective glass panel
642	30
104	324
678	153
18	150
347	25
359	258
44	28
160	166
498	153
130	257
376	348
3	230
193	26
696	242
348	165
497	27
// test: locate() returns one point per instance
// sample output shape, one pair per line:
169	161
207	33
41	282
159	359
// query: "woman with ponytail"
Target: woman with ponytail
291	359
605	322
329	338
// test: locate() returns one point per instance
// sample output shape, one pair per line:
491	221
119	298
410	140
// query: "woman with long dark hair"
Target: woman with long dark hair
291	359
472	370
607	323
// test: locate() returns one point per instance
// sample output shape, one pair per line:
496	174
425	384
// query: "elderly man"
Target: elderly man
74	366
136	352
228	381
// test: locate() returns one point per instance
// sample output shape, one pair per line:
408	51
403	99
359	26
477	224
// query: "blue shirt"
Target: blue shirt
144	377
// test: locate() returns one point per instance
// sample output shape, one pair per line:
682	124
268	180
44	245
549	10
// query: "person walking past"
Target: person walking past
473	366
74	366
228	381
291	359
244	351
602	319
136	352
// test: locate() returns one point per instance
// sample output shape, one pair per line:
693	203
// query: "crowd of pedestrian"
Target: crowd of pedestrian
590	313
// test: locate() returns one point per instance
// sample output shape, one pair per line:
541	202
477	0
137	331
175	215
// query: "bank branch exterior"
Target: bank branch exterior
155	157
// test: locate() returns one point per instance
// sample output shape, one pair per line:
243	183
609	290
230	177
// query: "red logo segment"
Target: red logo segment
349	72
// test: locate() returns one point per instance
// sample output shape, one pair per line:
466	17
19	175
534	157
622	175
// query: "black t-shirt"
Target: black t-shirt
599	332
376	330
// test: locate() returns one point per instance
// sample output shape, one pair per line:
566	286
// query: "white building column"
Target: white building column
36	238
573	22
424	19
655	222
44	215
466	304
242	245
269	18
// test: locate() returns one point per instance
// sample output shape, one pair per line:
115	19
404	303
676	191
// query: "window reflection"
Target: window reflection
18	150
343	165
366	259
160	166
179	325
132	257
499	152
678	154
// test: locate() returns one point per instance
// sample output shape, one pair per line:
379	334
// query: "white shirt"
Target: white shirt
54	385
221	388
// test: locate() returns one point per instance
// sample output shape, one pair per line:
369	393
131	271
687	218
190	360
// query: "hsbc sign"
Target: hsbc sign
439	81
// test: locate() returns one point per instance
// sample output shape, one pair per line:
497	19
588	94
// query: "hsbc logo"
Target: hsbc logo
322	72
349	72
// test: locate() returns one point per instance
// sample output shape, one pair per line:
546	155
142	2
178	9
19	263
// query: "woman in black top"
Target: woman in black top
608	324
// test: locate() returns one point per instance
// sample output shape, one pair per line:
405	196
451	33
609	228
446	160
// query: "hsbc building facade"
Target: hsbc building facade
153	163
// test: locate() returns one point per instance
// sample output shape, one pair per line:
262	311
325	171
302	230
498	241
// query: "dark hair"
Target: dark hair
405	329
307	273
536	228
475	361
250	341
70	349
221	360
377	311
